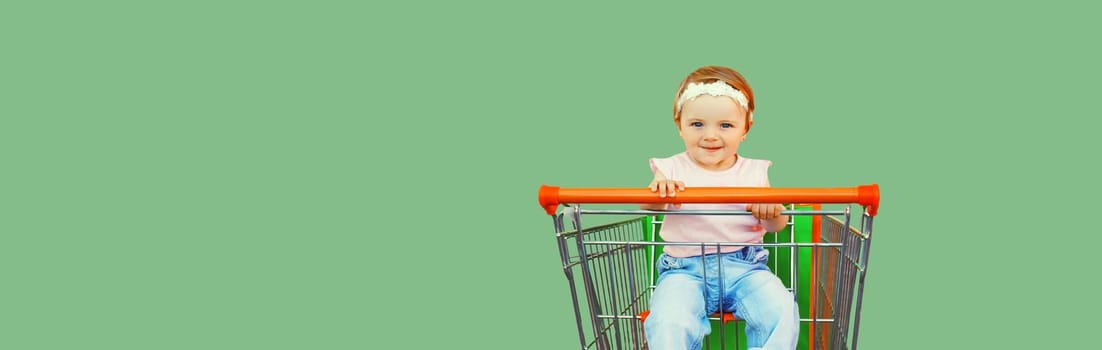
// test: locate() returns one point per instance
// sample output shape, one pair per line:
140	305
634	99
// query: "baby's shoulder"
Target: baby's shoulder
671	164
755	163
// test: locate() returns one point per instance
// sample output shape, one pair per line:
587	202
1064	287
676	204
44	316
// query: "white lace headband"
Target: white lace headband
717	88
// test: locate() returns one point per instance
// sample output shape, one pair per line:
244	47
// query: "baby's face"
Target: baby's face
712	127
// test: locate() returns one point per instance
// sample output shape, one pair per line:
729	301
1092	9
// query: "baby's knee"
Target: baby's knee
780	310
772	303
683	323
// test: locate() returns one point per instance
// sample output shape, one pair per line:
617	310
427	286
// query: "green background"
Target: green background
344	175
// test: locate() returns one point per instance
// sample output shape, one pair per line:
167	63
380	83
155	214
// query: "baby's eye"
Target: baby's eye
696	124
727	125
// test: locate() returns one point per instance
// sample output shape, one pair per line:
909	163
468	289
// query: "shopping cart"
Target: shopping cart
611	273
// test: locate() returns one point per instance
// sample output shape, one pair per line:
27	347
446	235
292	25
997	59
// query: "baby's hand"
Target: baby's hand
765	211
667	188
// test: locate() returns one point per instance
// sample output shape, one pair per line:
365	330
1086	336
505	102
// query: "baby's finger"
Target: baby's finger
653	186
680	185
672	188
661	186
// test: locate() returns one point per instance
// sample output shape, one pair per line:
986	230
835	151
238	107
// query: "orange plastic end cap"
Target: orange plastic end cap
869	196
549	198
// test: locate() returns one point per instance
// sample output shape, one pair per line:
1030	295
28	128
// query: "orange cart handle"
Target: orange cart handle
866	195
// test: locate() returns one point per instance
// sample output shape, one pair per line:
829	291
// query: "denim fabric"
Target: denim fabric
683	299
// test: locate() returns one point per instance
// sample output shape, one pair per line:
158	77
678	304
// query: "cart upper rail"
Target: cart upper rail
866	195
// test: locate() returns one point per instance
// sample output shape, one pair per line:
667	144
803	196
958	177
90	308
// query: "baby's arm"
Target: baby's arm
769	214
664	187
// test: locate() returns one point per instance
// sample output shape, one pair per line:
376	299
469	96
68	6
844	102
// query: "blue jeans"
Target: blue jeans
682	300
